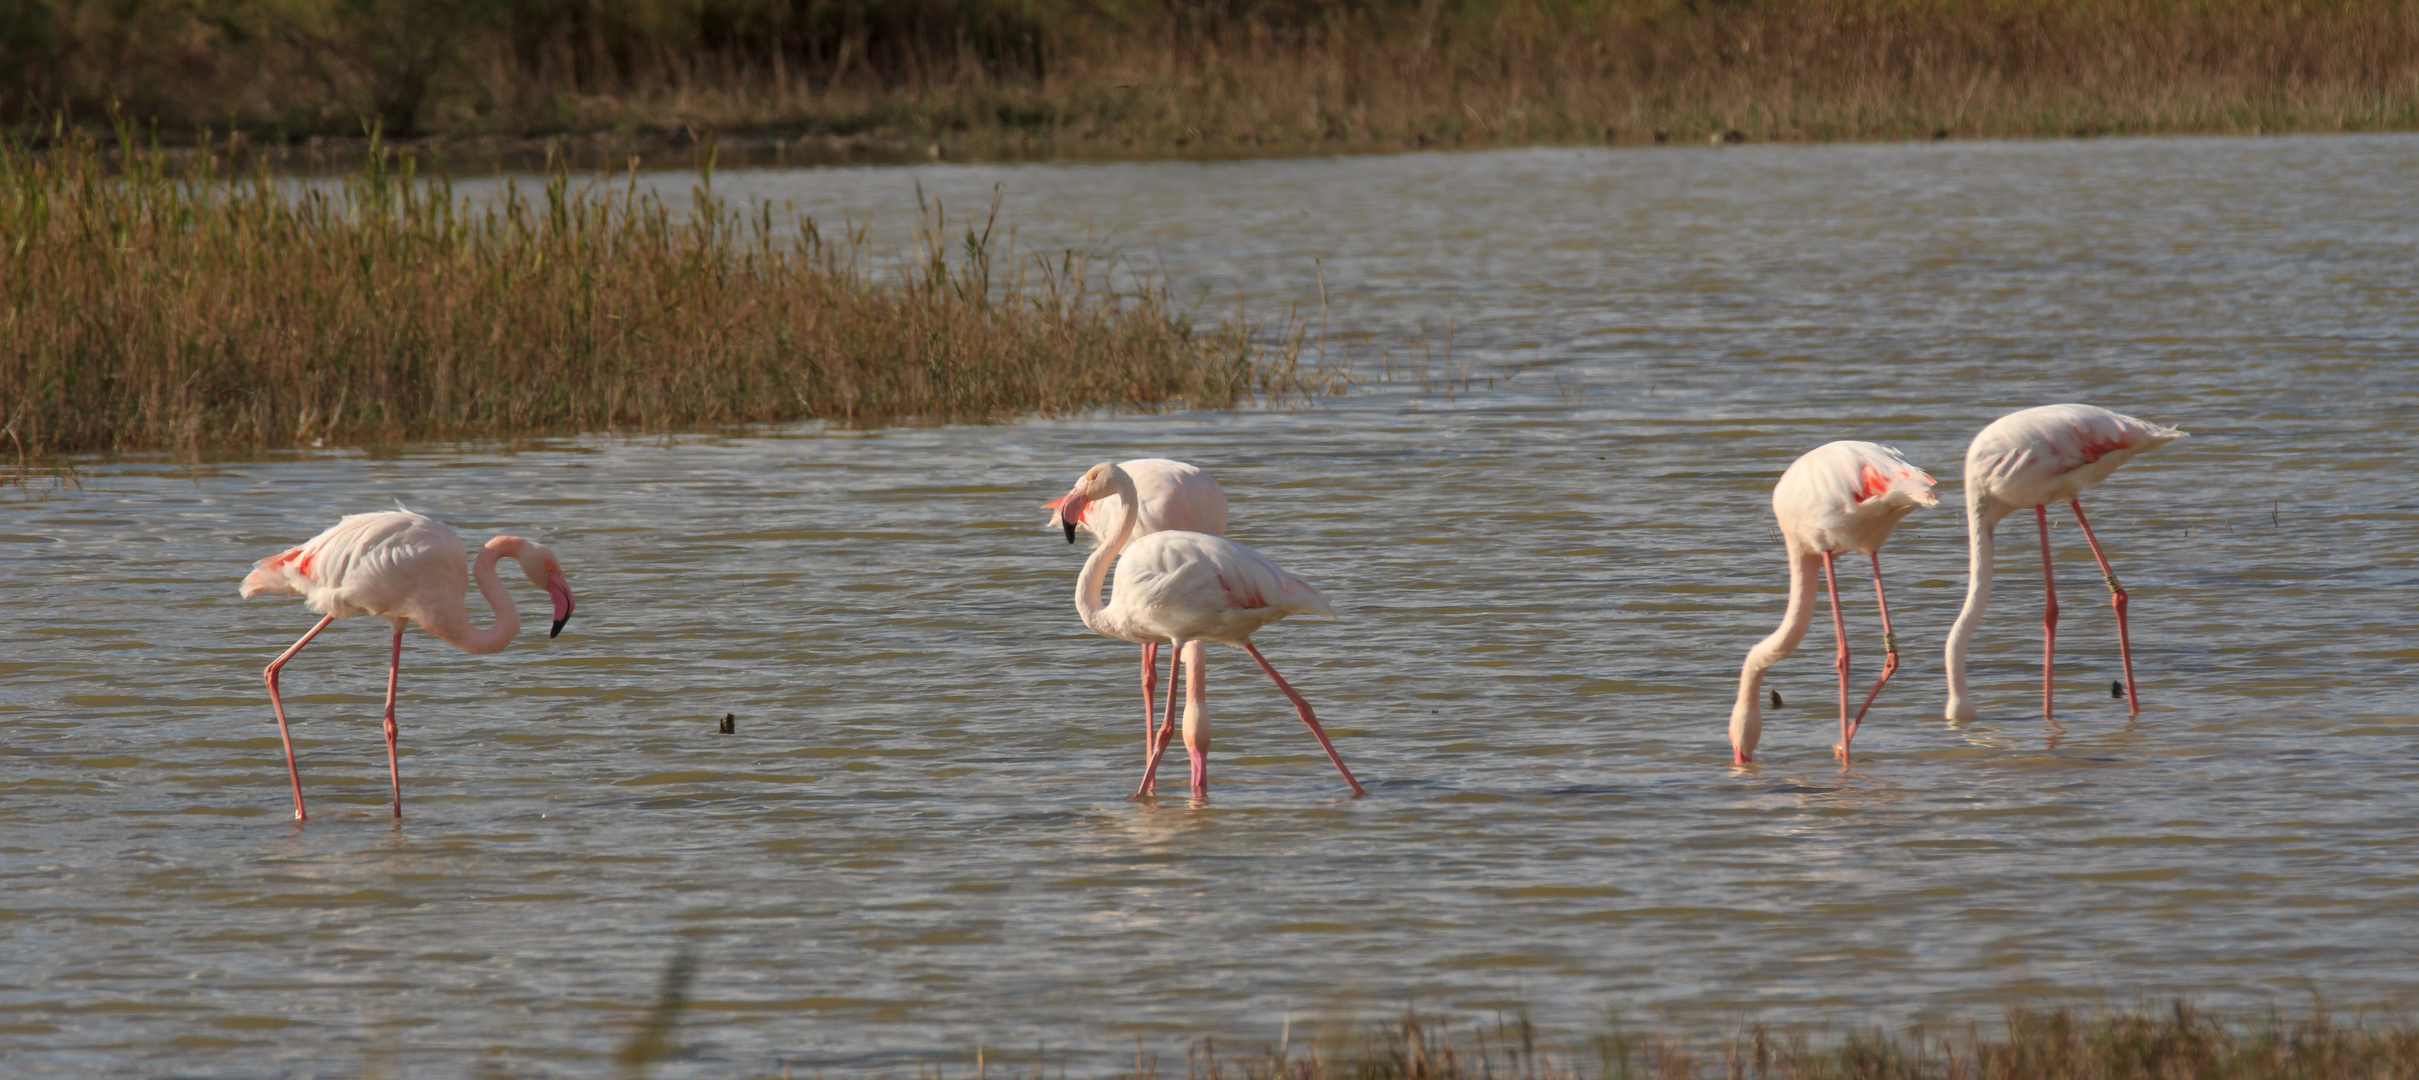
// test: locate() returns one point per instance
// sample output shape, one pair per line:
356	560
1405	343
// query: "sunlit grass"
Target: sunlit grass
158	302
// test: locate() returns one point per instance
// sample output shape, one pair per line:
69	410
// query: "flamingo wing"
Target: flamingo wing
375	563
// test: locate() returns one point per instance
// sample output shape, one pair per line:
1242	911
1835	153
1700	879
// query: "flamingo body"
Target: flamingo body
2033	458
1189	586
403	567
1172	494
1837	498
2052	454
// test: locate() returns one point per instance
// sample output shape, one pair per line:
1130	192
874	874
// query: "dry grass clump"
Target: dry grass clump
1248	76
171	305
2180	1044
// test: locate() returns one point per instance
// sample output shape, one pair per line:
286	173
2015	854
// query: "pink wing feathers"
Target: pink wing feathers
2051	453
1849	495
366	563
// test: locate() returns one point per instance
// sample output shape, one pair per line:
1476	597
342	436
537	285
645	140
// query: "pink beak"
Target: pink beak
1070	509
560	591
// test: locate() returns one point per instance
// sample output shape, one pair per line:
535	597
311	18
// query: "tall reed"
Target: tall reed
173	305
1086	76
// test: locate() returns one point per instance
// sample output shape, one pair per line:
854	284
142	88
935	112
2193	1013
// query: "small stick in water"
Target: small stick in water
1776	699
730	724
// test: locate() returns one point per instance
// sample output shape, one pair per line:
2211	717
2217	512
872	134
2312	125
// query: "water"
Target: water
916	842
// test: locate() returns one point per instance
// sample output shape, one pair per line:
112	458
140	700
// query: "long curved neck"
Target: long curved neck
1982	523
1747	714
508	618
1096	568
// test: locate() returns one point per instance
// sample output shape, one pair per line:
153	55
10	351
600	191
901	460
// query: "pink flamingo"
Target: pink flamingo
2034	458
1172	495
1188	588
399	565
1842	496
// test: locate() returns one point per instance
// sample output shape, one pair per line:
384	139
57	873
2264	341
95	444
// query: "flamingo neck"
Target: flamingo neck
1096	568
1747	714
1982	523
457	630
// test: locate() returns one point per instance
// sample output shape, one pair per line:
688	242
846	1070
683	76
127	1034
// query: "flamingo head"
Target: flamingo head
544	570
1097	483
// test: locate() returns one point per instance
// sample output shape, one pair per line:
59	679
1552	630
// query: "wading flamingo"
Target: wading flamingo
399	565
1188	588
1172	495
2035	458
1842	496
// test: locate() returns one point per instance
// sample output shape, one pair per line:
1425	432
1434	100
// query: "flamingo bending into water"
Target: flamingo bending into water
1188	588
1171	495
1841	496
399	565
2033	458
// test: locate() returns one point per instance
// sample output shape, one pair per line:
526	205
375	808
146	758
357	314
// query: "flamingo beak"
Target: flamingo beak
1070	509
560	591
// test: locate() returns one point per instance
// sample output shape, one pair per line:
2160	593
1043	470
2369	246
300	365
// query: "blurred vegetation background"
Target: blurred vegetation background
1210	75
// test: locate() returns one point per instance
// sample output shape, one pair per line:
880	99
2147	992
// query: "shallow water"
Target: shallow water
916	842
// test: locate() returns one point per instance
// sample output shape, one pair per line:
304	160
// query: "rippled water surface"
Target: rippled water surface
916	842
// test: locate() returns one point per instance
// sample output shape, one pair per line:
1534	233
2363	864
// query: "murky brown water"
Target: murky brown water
916	842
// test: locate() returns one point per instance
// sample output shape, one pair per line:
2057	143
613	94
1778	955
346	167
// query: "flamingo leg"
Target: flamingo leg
1889	663
394	670
1308	720
1159	744
269	675
2049	613
1196	716
1150	690
2116	599
1839	630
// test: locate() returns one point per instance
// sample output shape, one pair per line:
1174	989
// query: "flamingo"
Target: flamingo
1188	588
1172	495
2034	458
1841	496
399	565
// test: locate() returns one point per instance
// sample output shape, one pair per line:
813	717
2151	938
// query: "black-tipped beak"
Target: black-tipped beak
558	628
1070	524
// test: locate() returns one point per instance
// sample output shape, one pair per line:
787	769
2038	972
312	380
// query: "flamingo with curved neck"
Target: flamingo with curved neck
1188	589
1840	497
403	567
2033	458
1168	495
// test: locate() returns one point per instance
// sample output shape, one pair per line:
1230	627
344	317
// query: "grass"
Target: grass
163	303
1061	77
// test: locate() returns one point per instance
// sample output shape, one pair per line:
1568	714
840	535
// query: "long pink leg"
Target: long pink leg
2116	599
1308	720
1839	629
1196	717
1159	743
2049	613
394	669
269	675
1889	663
1150	690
